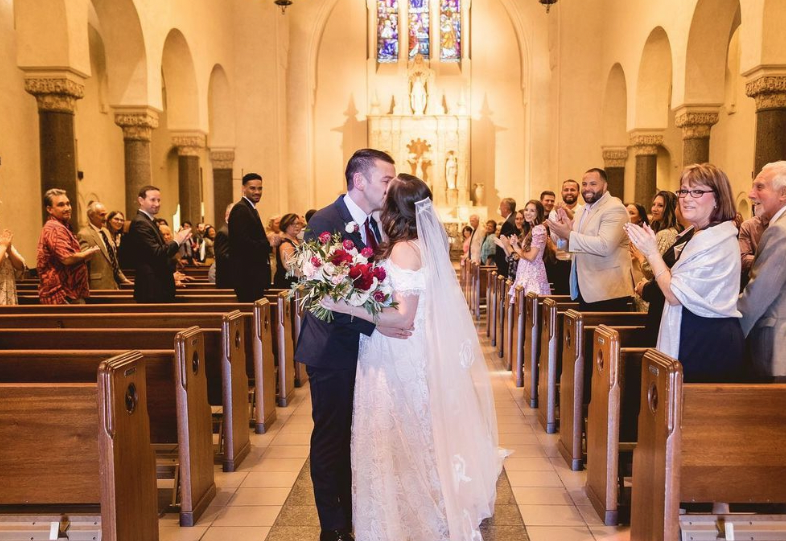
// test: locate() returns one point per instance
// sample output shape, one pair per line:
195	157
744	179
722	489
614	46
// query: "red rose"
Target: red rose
340	257
380	274
367	252
324	237
348	244
362	276
379	296
316	262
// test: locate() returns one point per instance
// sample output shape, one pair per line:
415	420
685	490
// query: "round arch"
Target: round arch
773	46
653	92
615	108
177	66
221	110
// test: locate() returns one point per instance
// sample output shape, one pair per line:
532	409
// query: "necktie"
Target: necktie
371	238
110	249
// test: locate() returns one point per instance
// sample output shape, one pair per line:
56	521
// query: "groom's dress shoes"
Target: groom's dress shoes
336	535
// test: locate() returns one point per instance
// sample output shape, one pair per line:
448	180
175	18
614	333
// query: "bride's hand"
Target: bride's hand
395	332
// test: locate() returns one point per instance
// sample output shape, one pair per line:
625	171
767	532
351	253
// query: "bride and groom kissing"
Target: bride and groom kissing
404	445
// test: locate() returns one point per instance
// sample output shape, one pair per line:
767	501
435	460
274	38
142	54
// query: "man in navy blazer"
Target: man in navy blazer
330	350
249	249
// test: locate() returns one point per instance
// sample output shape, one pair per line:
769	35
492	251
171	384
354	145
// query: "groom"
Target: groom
330	350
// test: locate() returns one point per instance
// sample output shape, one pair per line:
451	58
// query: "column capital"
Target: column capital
769	91
645	143
222	158
138	124
696	122
55	91
188	143
614	156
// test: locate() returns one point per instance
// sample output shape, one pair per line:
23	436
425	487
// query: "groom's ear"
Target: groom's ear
359	181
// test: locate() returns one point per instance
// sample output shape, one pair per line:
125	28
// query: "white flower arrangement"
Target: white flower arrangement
352	227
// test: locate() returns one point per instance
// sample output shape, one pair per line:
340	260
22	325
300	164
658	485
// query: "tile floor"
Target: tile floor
550	497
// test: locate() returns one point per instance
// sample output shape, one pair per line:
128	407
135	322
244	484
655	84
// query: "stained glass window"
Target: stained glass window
419	28
450	30
387	31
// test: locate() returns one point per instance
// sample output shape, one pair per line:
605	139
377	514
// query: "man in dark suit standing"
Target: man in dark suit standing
507	209
249	249
149	253
330	350
221	249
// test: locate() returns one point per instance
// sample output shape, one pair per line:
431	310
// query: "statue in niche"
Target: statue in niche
420	76
419	159
451	170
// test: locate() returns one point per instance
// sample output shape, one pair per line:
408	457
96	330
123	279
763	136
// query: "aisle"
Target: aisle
271	496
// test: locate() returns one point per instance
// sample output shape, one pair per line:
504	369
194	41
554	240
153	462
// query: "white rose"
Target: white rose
359	297
351	227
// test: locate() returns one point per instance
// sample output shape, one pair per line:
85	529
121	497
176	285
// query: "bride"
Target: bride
425	459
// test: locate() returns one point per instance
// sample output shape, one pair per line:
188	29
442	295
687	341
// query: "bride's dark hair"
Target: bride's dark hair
398	211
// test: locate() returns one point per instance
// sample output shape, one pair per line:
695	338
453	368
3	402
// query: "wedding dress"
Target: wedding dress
425	458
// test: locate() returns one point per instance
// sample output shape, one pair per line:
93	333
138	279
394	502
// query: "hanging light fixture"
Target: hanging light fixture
283	4
547	3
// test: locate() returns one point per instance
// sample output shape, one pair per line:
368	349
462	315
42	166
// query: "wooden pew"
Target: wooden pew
574	392
612	423
491	308
81	444
705	443
518	318
509	307
280	309
225	363
181	297
260	362
481	287
499	325
532	344
301	376
550	360
176	402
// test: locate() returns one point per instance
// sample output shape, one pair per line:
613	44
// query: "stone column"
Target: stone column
188	175
137	128
614	162
695	124
222	160
645	147
770	94
56	96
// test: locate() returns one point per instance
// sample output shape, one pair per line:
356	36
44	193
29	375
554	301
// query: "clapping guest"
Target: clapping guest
530	248
637	214
751	232
290	226
11	263
489	247
700	325
210	239
103	269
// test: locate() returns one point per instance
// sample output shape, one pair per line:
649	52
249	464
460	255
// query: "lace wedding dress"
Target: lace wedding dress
425	459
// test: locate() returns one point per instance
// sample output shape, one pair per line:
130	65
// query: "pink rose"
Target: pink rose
316	262
348	244
324	237
380	274
367	252
379	296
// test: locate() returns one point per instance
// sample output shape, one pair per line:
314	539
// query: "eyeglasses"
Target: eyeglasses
695	194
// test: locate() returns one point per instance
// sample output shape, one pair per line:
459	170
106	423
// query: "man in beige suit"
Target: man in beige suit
104	272
763	301
600	277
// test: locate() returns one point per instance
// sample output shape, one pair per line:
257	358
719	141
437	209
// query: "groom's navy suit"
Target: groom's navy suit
330	353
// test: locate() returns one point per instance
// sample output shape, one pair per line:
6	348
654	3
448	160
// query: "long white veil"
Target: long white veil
460	395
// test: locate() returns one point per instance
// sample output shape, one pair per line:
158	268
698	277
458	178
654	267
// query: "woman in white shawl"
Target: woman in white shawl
700	325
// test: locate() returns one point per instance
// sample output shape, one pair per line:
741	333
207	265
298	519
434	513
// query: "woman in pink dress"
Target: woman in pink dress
531	249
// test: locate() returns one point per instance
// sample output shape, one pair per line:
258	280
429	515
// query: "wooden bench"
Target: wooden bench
225	364
73	445
706	443
612	424
501	307
518	319
260	361
574	392
509	307
283	345
491	307
176	402
549	365
181	297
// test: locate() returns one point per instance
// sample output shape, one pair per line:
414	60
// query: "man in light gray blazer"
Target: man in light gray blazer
763	301
601	278
104	271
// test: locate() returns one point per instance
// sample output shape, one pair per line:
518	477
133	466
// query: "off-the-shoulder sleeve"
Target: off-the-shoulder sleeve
539	236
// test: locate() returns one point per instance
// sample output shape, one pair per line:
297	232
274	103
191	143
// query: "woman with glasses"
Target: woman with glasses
700	325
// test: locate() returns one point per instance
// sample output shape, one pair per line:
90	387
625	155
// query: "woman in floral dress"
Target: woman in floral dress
531	249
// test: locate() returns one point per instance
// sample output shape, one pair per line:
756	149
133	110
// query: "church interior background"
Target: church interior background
484	99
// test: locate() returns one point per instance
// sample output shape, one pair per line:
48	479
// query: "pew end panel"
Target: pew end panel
531	348
491	307
510	326
499	316
264	367
282	344
301	376
518	344
237	443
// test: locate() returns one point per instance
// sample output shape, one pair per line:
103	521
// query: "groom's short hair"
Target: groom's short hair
363	160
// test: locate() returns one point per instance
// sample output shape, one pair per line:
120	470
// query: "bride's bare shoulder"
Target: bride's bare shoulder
406	255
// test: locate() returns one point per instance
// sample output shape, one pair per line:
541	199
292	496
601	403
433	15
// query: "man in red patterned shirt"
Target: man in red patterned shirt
61	266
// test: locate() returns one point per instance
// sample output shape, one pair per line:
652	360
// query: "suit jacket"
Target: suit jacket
249	252
99	267
151	257
508	228
763	302
331	345
600	251
221	251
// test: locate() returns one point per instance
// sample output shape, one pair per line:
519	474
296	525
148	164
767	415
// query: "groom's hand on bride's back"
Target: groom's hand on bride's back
395	332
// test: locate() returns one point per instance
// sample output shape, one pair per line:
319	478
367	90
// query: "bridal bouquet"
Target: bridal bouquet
330	266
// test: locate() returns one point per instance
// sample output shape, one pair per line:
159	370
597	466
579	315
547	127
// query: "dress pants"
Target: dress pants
332	393
621	304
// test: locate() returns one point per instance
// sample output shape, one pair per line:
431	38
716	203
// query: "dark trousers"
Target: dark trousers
332	393
558	274
621	304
